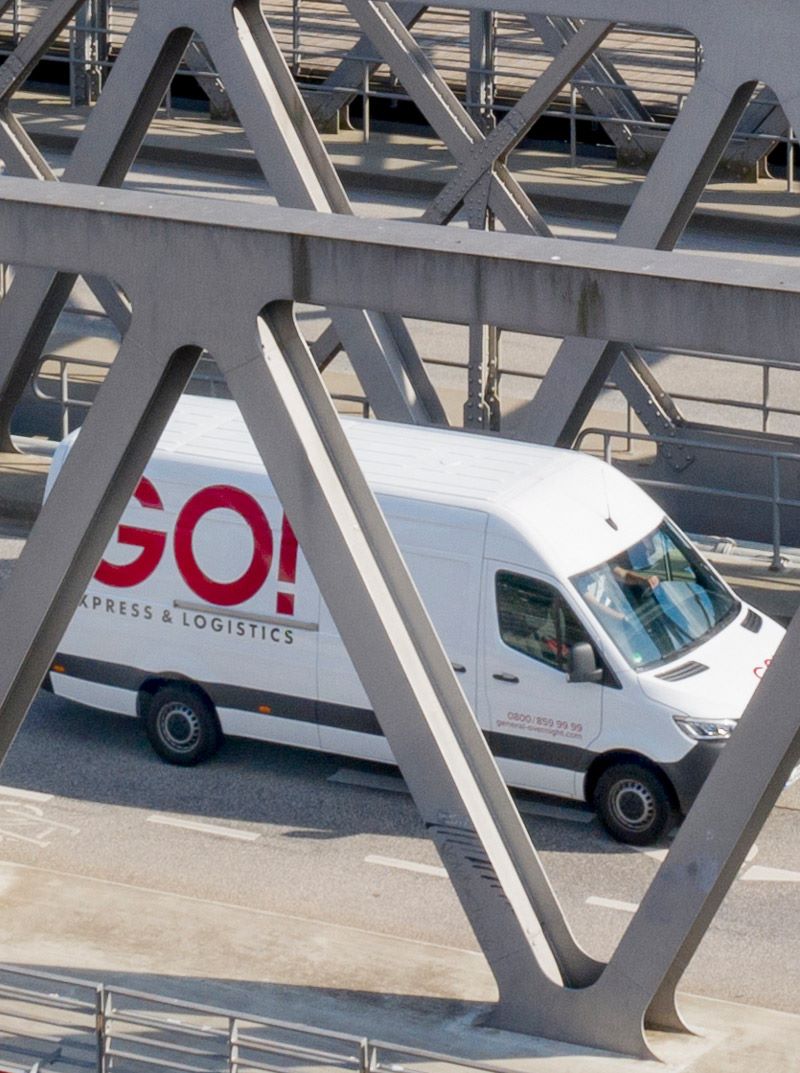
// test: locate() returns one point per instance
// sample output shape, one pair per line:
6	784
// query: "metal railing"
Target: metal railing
305	33
62	1021
762	406
63	376
773	496
206	374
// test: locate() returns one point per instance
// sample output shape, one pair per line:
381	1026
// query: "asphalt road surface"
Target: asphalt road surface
331	841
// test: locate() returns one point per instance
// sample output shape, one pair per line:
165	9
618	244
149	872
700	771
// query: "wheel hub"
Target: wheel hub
633	805
179	727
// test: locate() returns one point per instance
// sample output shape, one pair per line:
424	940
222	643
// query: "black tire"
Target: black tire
634	804
182	725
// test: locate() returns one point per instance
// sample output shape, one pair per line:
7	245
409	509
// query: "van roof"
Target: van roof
559	498
459	468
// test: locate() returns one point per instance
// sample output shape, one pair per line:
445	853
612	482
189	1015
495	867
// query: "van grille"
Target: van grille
686	670
752	621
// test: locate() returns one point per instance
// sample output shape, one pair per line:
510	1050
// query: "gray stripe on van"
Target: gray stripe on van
326	713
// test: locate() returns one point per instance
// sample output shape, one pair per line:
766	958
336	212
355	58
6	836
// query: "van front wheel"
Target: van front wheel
634	804
182	725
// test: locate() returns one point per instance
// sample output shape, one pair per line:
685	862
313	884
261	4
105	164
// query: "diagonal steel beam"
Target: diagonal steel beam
400	661
24	160
117	438
515	282
344	84
292	156
34	44
603	89
442	109
656	220
505	137
103	155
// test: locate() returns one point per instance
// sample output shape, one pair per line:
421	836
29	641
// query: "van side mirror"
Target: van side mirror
582	664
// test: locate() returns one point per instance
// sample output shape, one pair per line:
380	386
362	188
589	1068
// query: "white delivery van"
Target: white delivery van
605	659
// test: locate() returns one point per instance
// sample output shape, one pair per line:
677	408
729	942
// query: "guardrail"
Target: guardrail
313	44
67	1023
206	374
66	401
773	497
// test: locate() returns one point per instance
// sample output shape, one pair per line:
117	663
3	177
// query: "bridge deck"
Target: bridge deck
659	67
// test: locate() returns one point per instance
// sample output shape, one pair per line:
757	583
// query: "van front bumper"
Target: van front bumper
689	773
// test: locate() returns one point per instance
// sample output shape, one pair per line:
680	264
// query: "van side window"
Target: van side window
534	619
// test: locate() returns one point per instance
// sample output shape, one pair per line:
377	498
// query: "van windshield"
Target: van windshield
657	599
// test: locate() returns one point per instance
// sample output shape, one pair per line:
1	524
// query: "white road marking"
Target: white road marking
612	903
24	795
759	873
660	854
655	854
205	828
407	866
21	816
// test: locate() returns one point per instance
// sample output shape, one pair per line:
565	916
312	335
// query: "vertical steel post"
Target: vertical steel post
776	565
790	154
481	74
365	106
296	32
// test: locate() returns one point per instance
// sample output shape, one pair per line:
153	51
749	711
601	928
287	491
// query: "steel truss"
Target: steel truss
301	175
170	307
156	250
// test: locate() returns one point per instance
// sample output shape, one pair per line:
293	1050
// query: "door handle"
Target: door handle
459	668
503	677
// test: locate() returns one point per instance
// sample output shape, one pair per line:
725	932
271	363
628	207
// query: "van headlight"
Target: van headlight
705	729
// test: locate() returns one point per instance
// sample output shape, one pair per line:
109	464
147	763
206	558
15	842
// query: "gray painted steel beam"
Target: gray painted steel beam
516	123
34	44
656	219
288	149
291	154
343	85
588	290
117	438
103	155
197	59
551	286
603	89
24	160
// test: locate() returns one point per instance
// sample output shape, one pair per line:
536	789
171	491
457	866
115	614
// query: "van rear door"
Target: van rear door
538	723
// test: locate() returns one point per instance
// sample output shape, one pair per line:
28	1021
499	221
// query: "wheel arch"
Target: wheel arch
156	682
615	757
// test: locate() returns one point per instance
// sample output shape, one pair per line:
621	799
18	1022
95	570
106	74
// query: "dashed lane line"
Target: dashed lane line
24	795
407	866
759	873
205	828
660	854
612	903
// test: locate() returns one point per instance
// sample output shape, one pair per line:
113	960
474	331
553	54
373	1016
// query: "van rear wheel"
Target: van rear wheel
634	804
182	725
